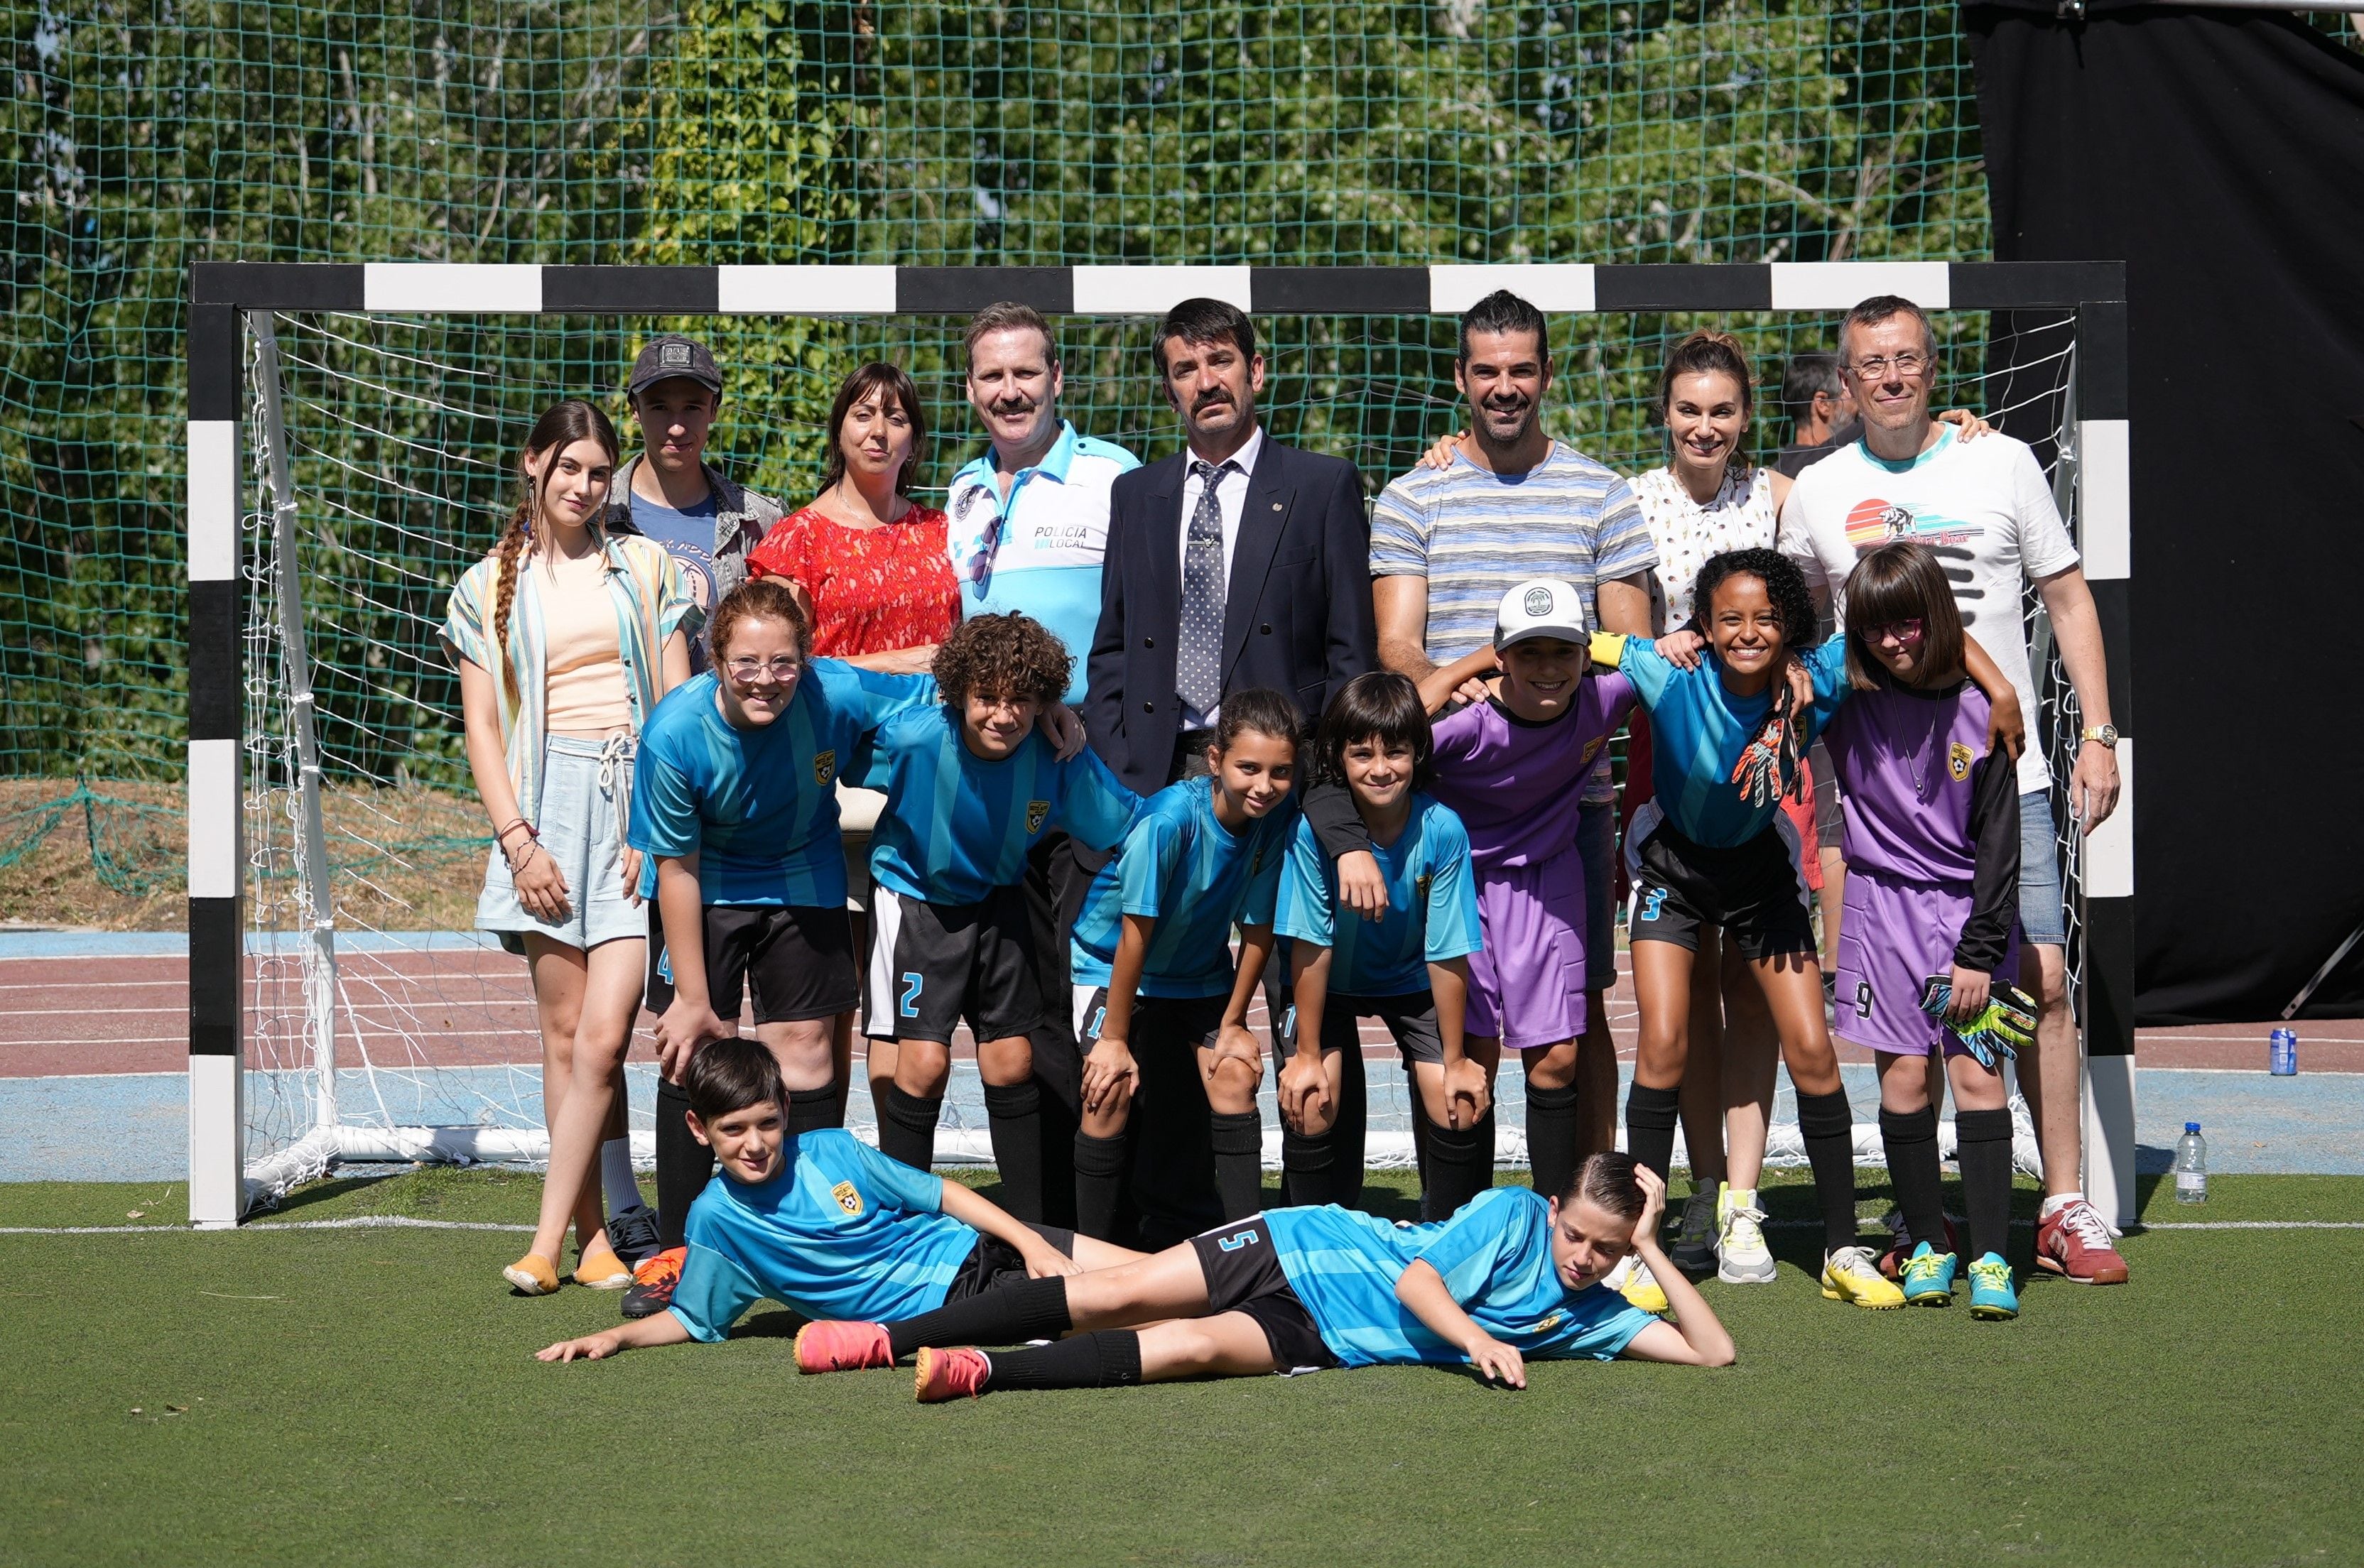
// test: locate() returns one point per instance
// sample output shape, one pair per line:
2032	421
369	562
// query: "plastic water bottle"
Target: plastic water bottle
2191	1165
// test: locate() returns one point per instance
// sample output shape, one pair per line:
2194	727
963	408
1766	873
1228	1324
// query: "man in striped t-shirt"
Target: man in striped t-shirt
1447	543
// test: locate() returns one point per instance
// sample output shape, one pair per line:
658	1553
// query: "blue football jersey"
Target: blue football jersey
758	806
1495	1257
1699	729
1431	913
956	826
1196	878
841	1231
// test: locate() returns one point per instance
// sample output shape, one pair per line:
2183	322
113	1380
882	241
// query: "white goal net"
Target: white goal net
380	1026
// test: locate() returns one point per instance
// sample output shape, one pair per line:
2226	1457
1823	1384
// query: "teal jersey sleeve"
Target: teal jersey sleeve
1826	664
1475	1242
1095	807
913	1192
712	1294
664	817
869	697
1452	931
1640	662
1305	909
1152	854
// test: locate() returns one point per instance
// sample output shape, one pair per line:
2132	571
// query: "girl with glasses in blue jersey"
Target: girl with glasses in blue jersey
1513	1277
1161	1010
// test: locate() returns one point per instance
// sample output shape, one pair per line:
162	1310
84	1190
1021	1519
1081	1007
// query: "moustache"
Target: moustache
1211	400
1017	406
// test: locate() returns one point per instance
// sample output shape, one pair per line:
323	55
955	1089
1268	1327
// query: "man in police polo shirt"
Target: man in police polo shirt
1029	524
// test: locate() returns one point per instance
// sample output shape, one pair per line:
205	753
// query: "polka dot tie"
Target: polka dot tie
1198	663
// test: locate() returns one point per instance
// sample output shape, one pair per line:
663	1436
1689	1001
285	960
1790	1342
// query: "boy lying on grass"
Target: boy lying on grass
1513	1276
827	1226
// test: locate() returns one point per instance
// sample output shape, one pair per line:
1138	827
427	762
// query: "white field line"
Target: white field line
405	1222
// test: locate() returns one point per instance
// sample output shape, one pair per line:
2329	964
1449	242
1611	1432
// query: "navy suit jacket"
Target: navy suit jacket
1296	612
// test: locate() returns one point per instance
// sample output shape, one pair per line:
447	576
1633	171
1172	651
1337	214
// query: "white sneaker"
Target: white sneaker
1742	1257
1633	1280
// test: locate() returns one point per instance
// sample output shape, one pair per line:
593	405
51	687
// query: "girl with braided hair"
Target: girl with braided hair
1713	848
565	636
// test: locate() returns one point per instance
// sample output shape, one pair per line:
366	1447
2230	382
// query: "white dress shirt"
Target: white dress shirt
1232	496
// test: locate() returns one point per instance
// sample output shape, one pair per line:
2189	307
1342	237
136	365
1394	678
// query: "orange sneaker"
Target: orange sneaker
652	1283
842	1347
950	1374
532	1274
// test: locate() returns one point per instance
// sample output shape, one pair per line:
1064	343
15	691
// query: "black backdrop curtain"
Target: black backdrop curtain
2220	155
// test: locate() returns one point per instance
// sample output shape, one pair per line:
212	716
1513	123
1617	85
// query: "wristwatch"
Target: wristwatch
2107	734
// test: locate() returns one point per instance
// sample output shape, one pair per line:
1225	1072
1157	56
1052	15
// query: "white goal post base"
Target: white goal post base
2096	453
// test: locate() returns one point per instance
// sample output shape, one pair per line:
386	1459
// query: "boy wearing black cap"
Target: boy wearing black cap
707	522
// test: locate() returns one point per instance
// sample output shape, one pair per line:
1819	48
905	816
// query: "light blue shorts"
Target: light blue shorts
585	792
2042	918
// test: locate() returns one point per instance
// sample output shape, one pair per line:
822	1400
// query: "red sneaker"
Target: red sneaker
2075	1244
842	1347
950	1374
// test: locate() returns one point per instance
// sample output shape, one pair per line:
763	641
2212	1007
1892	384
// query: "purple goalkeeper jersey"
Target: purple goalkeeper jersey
1925	803
1517	785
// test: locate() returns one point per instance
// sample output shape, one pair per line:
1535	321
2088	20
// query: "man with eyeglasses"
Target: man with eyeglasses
1986	508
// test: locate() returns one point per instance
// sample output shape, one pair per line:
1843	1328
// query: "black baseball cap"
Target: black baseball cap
670	356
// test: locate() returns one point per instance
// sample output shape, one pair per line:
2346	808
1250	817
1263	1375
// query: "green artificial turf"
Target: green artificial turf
368	1396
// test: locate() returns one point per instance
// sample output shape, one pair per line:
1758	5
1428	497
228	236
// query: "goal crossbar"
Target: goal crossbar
2095	454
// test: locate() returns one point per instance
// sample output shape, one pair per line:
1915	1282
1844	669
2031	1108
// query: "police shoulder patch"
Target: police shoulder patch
847	1198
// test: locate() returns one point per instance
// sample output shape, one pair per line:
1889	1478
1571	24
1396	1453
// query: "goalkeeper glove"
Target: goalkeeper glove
1998	1029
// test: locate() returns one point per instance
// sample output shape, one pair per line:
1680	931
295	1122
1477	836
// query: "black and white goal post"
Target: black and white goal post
268	1007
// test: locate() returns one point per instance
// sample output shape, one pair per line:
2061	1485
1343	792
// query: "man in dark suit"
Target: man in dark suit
1264	582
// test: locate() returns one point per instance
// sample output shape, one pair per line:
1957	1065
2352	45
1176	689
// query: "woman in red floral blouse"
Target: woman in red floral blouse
868	561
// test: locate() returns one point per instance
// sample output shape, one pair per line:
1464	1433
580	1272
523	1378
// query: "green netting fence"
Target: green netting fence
143	136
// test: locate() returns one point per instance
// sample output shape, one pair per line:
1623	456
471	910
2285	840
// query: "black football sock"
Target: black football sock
1827	1126
907	1125
1109	1358
809	1110
1350	1133
1983	1149
1005	1314
683	1164
1910	1140
1238	1138
1099	1183
1462	1161
1551	1137
1014	1116
1306	1167
1650	1117
1422	1128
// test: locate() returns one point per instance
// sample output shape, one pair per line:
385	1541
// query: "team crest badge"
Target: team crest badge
847	1199
1037	813
1957	762
1592	749
824	766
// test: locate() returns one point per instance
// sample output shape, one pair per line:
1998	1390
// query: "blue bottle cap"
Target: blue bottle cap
2190	1126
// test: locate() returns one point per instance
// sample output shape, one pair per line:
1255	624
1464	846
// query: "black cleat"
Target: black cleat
1694	1249
633	1234
652	1283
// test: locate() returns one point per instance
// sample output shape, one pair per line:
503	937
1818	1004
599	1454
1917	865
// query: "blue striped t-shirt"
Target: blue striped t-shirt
1476	535
1495	1256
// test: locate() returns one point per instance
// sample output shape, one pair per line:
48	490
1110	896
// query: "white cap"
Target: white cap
1541	606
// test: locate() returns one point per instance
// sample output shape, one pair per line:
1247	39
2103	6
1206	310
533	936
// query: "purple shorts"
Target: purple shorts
1892	938
1526	987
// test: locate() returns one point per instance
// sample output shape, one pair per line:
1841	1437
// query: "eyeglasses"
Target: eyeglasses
1896	631
1907	366
747	671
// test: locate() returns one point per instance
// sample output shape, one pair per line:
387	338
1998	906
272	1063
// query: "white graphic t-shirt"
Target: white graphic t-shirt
1984	507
